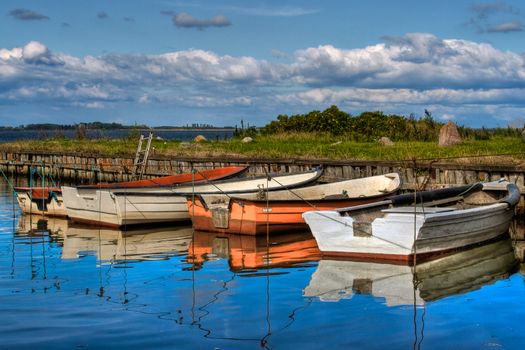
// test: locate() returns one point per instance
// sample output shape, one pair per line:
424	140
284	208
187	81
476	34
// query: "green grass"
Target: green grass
294	146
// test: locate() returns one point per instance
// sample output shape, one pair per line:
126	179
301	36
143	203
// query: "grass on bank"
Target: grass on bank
293	146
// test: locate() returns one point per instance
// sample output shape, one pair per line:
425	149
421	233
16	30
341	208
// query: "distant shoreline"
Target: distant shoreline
126	129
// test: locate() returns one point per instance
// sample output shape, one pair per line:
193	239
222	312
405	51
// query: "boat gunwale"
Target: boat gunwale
317	172
116	186
335	199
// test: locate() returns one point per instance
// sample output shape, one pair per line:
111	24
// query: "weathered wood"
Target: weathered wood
83	168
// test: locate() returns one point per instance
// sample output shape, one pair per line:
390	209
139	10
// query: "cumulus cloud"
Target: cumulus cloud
401	75
415	60
33	52
27	15
185	20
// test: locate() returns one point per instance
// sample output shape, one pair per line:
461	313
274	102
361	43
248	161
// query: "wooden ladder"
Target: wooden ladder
141	157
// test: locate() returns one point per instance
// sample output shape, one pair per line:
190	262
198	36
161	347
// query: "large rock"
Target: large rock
385	141
199	138
449	135
247	139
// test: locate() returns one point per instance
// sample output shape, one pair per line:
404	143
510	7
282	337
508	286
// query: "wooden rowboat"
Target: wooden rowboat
199	176
41	201
148	205
443	221
48	200
280	211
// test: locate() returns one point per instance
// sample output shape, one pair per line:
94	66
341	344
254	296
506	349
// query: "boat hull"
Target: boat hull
392	238
259	218
50	204
105	209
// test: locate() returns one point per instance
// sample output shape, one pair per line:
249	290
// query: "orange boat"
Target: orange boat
281	211
48	200
250	252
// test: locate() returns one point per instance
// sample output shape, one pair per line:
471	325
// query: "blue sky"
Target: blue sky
163	62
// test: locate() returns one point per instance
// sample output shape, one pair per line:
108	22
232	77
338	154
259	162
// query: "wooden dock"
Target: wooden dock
85	168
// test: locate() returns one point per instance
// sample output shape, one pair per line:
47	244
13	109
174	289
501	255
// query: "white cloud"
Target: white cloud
401	75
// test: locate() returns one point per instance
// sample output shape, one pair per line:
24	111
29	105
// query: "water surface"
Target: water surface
182	135
66	287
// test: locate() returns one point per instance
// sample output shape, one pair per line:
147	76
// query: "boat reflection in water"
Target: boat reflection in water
253	252
108	244
115	245
454	274
37	225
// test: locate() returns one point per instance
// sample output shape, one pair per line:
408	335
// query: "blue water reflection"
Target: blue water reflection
64	287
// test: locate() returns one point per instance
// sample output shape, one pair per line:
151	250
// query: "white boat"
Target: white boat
441	222
132	206
41	201
450	275
48	201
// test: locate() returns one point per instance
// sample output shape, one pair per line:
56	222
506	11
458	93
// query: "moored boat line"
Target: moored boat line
49	200
149	205
358	218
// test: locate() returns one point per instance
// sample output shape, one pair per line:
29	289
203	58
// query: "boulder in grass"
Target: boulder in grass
385	141
449	135
199	138
247	139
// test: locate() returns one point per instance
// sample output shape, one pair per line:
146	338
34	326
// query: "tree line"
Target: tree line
370	126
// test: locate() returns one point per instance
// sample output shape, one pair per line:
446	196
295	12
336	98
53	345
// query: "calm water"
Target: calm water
67	287
185	135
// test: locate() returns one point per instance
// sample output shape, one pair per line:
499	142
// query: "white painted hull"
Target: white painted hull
394	233
402	233
458	273
119	207
55	206
103	207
